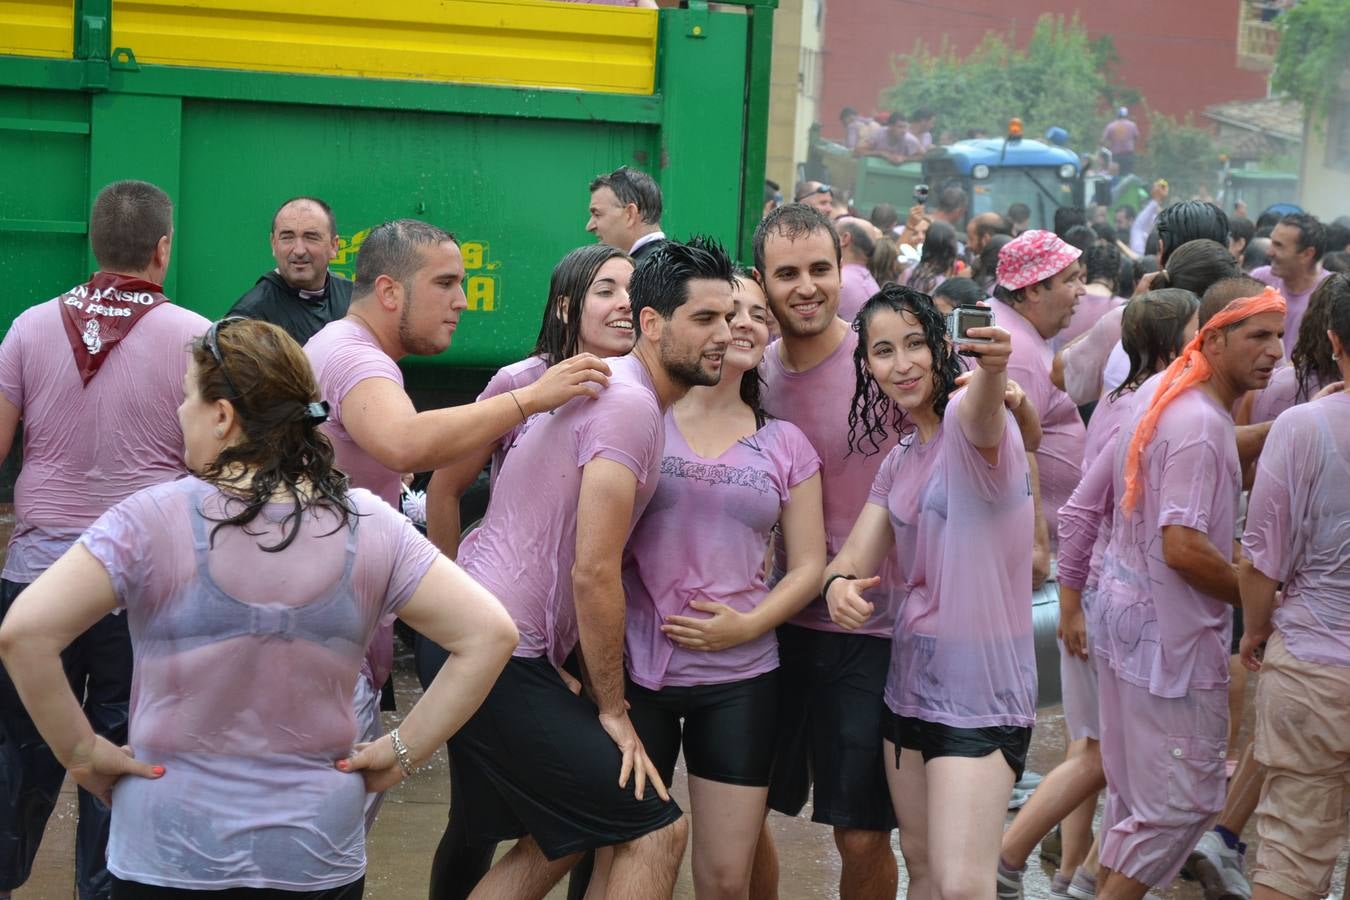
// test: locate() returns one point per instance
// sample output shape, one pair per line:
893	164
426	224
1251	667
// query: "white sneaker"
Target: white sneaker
1219	869
1082	887
1009	884
1018	798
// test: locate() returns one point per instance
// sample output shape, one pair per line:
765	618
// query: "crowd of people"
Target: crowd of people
785	521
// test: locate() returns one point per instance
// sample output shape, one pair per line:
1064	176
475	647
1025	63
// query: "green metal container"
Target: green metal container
505	166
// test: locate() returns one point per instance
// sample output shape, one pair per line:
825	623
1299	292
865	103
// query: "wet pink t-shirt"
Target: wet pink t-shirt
511	378
1297	303
856	287
962	653
245	666
87	448
817	401
1298	527
524	550
703	537
1158	632
1281	394
344	354
1060	457
1090	309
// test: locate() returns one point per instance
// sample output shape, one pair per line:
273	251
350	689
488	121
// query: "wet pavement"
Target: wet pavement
414	815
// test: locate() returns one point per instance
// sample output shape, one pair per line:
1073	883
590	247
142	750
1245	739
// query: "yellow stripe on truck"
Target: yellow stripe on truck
37	28
520	43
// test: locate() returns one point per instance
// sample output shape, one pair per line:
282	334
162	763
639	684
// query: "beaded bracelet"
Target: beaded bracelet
401	753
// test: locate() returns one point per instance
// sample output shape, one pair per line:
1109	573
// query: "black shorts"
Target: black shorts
1236	643
933	739
534	760
831	721
727	733
132	890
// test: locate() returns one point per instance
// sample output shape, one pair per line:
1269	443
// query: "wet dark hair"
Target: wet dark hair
1152	331
1257	253
1241	228
792	221
1225	291
633	186
1105	233
1338	316
1101	262
571	280
126	224
952	198
1080	236
1311	356
394	249
940	249
985	269
1066	217
1191	220
959	292
323	208
1337	237
1311	233
884	217
1336	261
661	279
872	416
1019	213
1195	266
282	448
752	385
1267	219
1142	266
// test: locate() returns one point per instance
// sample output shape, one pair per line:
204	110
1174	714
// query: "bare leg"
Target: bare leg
1077	825
1244	792
1092	865
868	870
764	875
1237	695
601	862
524	873
966	800
645	869
1069	784
1120	887
725	836
908	785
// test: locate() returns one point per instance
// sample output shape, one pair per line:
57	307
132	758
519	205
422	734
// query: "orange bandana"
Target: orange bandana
1185	372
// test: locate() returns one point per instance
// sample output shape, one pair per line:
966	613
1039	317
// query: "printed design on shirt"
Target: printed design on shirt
482	285
718	473
93	341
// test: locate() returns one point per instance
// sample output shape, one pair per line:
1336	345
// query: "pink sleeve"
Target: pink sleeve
118	540
352	364
1267	537
1191	474
624	428
1081	518
411	557
499	383
801	458
11	364
1085	359
880	495
991	482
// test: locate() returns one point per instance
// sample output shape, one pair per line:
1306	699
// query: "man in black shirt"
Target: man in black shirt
300	295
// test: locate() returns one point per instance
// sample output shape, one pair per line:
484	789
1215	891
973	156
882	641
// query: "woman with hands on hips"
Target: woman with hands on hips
953	498
699	639
252	589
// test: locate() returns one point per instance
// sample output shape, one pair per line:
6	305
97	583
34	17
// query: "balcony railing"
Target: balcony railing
1259	33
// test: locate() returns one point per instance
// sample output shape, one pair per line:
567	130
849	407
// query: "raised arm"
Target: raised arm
448	486
982	412
383	422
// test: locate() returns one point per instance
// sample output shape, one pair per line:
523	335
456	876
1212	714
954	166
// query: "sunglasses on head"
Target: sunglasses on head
212	345
823	189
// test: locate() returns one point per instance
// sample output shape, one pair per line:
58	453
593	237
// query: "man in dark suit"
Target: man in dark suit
626	212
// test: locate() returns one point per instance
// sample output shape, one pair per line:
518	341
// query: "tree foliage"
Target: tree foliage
1183	153
1314	47
1060	78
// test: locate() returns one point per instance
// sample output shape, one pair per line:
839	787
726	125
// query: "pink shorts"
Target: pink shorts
1078	683
1165	784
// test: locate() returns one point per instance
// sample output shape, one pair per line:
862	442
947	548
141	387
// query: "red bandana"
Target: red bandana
101	312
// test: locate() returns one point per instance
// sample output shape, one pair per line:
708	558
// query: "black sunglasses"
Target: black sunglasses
212	346
823	189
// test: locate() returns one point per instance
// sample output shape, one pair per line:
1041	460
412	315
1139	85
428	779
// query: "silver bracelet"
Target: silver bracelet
401	753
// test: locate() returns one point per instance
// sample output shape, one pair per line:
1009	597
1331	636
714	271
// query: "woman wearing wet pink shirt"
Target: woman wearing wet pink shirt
953	499
702	656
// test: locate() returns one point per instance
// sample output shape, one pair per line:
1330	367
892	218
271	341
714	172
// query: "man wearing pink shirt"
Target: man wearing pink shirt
1295	270
96	375
567	773
1167	582
857	239
1040	282
831	678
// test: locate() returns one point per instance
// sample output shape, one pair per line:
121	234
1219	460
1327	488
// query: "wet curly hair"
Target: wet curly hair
872	416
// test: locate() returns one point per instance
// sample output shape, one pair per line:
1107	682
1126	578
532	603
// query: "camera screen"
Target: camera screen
969	319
